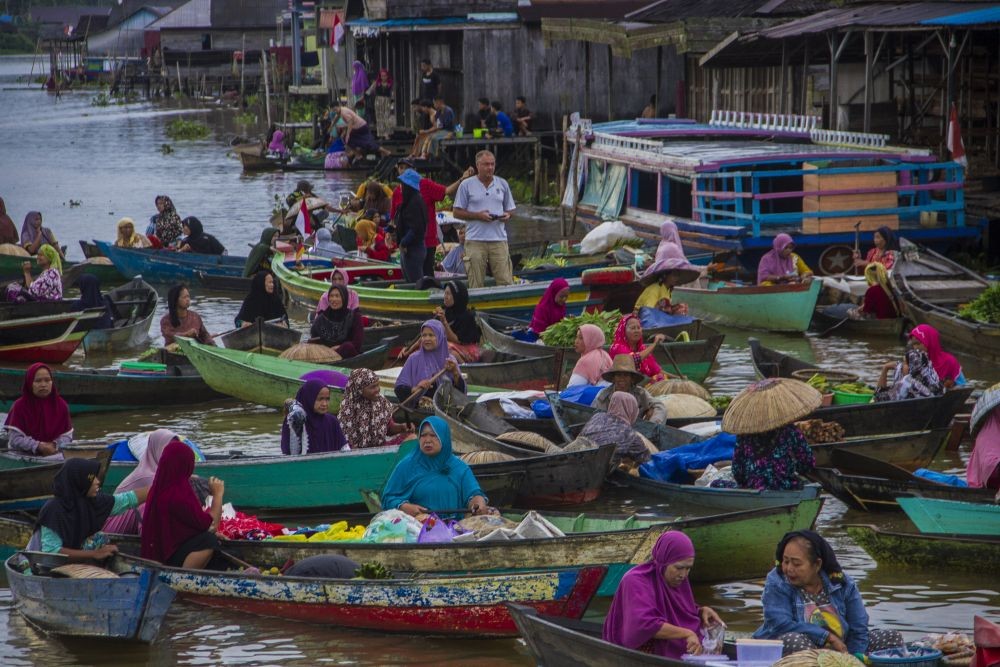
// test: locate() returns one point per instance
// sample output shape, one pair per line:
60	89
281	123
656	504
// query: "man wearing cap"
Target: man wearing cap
431	193
486	203
623	377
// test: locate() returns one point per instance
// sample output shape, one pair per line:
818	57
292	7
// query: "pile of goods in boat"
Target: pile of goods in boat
535	262
956	648
563	332
373	570
819	658
677	386
985	307
853	388
818	432
720	403
819	383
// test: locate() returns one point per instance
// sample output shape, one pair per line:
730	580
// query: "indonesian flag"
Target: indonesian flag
303	221
955	145
337	33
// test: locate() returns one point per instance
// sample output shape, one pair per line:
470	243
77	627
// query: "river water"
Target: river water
109	159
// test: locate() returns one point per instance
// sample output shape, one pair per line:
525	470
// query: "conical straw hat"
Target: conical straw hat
984	406
769	404
676	386
686	406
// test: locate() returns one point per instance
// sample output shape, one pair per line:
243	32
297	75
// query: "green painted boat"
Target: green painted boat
515	300
768	308
14	535
266	380
972	554
935	516
10	269
737	545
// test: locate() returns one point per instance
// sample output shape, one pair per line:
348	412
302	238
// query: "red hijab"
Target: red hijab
173	514
548	312
43	419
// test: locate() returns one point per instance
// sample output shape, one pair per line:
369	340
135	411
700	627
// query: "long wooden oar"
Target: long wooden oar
673	362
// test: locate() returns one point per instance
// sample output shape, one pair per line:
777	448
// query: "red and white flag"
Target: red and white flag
955	145
337	33
303	221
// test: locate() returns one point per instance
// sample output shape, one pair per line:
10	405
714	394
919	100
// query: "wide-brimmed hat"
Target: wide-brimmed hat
984	406
685	271
769	404
622	363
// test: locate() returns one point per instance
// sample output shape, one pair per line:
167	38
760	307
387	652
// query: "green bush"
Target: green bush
186	129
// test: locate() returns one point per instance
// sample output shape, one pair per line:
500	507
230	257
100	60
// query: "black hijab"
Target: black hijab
333	326
461	320
891	242
91	297
258	303
71	514
172	296
820	548
199	241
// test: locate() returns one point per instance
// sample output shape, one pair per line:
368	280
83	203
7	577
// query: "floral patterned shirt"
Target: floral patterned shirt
772	460
47	286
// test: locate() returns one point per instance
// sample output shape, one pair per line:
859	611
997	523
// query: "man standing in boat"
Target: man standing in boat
486	203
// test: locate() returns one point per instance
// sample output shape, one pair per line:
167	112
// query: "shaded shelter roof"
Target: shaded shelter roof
223	15
672	10
493	20
764	47
536	10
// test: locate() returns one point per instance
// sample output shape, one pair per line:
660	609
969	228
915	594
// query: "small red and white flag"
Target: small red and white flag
337	33
303	221
955	145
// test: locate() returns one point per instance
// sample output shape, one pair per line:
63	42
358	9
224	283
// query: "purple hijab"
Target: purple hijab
323	431
644	601
29	233
422	365
670	243
359	84
128	522
772	263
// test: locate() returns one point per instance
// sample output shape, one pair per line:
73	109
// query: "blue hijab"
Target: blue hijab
442	481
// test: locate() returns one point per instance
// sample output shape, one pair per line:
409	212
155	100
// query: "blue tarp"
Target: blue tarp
940	478
974	17
673	464
581	393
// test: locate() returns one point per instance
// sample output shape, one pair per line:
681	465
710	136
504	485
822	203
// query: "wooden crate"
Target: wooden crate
847	202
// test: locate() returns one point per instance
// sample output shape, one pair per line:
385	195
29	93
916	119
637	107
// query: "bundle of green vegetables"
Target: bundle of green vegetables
563	332
985	307
819	383
535	262
853	388
720	402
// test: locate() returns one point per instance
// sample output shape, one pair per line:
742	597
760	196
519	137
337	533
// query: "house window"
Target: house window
643	190
206	42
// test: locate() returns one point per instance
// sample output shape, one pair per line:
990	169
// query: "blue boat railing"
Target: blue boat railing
752	199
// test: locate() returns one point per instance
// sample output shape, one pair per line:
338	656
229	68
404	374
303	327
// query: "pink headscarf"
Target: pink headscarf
548	312
277	144
644	601
624	406
353	301
127	523
772	263
986	454
647	366
945	365
670	243
594	362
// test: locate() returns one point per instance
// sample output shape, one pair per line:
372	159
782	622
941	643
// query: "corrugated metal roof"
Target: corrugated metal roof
192	14
535	10
390	25
975	17
871	16
246	13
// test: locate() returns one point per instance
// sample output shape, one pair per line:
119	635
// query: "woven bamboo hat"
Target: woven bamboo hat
686	406
769	404
622	363
984	406
676	386
685	271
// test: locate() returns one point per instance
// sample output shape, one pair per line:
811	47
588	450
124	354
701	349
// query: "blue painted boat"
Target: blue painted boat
952	517
767	308
735	182
168	266
130	604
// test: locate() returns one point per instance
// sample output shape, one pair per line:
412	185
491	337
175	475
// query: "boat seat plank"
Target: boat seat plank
920	285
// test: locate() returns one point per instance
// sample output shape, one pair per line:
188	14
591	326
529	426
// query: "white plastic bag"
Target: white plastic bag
604	237
712	473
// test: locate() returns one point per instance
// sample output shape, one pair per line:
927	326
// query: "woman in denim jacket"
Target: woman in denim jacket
809	602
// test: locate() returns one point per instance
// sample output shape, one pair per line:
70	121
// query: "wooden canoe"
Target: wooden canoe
694	358
972	554
939	516
50	339
130	607
726	500
470	605
889	328
876	494
732	546
10	269
516	300
512	371
560	478
774	308
261	337
914	414
15	532
169	266
932	289
27	488
562	643
134	306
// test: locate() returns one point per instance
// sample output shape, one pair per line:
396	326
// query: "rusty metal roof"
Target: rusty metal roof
663	11
899	15
535	10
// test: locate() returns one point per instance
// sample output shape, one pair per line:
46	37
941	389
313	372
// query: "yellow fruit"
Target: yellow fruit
274	570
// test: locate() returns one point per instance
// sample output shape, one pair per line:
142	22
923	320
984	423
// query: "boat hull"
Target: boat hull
168	266
972	554
778	308
937	516
878	494
889	328
726	500
130	331
121	608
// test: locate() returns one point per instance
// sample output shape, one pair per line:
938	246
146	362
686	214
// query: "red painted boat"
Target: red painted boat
465	604
46	338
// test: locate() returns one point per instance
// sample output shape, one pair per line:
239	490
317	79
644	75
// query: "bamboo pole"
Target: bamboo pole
562	176
267	87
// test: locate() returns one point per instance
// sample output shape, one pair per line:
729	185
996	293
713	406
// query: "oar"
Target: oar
857	243
233	559
673	362
419	392
827	332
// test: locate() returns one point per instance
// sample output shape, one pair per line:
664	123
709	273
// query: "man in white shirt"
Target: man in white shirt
486	204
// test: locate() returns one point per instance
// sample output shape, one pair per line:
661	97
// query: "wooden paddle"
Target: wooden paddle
419	392
857	243
673	362
827	332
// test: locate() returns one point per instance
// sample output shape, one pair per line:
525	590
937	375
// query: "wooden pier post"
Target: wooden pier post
538	173
562	177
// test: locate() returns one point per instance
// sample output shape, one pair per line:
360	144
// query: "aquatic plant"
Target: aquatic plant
180	129
246	118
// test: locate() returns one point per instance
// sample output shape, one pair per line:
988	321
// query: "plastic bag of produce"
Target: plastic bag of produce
435	530
604	237
392	526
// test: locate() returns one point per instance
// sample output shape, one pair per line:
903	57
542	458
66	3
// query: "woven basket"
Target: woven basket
13	250
580	444
527	439
320	354
769	404
484	456
649	444
686	406
690	387
82	571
